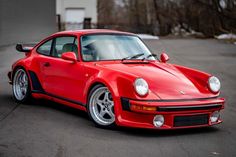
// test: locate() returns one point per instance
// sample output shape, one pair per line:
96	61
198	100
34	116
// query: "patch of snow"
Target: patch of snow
222	4
226	36
215	153
147	36
185	32
120	3
235	43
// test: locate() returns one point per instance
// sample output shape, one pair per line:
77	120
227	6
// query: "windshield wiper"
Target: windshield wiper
151	55
133	57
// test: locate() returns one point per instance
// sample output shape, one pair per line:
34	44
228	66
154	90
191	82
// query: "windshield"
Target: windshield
113	47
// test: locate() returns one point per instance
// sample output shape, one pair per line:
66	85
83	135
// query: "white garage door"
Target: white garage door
74	18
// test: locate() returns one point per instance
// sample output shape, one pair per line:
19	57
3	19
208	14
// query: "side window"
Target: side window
64	44
45	48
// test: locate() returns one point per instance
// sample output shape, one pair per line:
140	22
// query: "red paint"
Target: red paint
164	57
70	56
72	79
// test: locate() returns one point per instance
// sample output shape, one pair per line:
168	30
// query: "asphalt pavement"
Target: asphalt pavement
47	129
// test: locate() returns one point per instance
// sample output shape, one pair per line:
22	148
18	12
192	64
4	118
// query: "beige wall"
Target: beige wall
89	5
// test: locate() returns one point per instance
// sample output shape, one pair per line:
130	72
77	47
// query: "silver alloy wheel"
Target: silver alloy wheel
20	84
101	107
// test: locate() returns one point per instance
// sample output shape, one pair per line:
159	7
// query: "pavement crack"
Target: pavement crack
10	112
185	150
60	151
181	145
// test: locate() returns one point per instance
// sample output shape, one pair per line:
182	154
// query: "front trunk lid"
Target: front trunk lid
166	81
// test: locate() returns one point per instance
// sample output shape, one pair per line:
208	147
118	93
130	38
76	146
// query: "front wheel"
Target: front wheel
101	107
21	86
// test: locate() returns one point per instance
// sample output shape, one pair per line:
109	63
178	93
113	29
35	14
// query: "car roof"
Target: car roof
92	31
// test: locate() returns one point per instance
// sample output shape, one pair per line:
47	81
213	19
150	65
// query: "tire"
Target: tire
21	86
100	107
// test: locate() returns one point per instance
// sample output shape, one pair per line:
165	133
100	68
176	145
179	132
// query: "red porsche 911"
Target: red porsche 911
115	78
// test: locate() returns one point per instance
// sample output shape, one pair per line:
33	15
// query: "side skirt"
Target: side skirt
38	89
59	97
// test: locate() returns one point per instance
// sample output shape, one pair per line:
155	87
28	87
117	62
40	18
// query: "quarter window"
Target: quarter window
45	48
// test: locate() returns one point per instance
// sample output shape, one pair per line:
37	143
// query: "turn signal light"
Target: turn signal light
143	108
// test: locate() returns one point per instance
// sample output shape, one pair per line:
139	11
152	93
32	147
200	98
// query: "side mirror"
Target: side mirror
69	56
164	57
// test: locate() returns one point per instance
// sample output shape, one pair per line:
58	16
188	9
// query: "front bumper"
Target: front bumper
177	113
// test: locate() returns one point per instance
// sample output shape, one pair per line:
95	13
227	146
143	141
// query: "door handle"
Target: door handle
47	64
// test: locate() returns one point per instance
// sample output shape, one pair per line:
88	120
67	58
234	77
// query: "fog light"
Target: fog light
215	116
158	120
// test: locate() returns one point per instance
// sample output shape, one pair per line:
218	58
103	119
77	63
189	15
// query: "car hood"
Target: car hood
164	80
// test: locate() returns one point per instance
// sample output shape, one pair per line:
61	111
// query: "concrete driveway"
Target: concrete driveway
48	129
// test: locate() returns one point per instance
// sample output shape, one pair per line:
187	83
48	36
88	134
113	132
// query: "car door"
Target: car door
63	79
40	62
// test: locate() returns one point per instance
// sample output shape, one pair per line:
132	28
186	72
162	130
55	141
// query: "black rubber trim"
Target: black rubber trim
125	104
35	81
59	97
9	74
174	100
187	108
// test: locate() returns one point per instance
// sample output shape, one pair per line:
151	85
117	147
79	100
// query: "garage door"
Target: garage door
74	18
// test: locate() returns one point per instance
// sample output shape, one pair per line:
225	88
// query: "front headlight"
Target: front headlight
214	84
141	86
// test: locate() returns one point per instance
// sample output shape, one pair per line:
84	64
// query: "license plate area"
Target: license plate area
191	120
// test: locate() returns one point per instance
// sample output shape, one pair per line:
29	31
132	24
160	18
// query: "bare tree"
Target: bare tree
159	17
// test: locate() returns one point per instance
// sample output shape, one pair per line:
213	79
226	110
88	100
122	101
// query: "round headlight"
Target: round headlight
141	86
214	84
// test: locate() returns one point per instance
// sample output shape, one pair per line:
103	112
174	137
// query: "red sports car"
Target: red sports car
115	78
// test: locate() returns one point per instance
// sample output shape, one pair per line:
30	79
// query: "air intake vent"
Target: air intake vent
192	120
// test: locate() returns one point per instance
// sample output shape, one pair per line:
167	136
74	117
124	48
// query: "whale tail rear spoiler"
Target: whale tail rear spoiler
21	48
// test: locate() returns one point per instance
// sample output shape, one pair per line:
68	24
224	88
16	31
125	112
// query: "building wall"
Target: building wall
89	5
26	20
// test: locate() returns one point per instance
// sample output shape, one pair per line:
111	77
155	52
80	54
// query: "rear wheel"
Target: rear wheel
101	107
21	85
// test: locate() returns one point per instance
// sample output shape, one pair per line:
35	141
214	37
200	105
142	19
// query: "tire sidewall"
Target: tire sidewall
110	126
28	92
